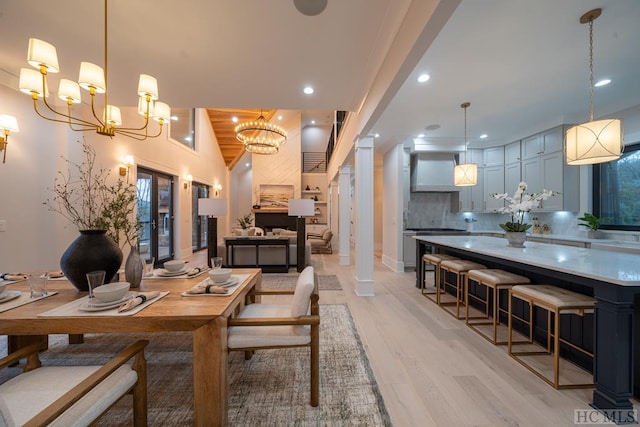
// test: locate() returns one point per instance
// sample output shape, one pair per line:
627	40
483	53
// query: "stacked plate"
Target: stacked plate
226	284
166	273
9	295
101	306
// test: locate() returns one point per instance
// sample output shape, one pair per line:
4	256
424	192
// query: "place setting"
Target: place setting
219	283
110	299
175	269
14	298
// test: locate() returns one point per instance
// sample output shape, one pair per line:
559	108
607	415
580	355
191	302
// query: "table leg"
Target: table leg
210	374
16	342
613	351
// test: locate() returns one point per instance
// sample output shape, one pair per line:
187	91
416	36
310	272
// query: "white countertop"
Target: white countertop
612	267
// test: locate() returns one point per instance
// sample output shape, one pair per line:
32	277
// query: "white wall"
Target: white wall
393	182
36	238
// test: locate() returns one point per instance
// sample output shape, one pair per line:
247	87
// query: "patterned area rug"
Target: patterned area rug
288	281
271	389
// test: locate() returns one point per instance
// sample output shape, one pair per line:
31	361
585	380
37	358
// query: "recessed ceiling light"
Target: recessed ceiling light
188	138
483	136
280	117
234	119
247	164
313	122
174	118
602	82
423	77
308	90
421	135
377	135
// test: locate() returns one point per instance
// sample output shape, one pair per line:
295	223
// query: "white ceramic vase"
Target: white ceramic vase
516	239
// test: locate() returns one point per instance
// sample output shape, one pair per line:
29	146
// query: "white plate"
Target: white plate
166	273
111	304
9	295
226	284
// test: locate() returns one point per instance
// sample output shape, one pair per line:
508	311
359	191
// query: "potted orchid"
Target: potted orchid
517	206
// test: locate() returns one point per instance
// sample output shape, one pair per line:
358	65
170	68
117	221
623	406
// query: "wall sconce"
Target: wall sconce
8	124
188	180
216	190
128	162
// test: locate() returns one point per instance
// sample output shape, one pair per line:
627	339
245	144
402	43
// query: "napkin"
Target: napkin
195	271
139	299
207	289
54	274
13	276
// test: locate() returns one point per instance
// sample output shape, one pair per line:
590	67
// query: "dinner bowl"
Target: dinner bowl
220	275
109	292
174	265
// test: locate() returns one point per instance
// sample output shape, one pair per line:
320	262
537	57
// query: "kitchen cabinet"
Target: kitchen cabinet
471	198
493	156
512	153
409	250
543	143
512	177
493	183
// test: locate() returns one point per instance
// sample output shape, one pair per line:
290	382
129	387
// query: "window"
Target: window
616	190
182	128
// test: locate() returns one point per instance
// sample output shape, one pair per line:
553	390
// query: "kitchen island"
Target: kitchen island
612	278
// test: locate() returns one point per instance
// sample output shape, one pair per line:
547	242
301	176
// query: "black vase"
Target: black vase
92	250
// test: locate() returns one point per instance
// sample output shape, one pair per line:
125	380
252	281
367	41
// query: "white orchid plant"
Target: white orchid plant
519	204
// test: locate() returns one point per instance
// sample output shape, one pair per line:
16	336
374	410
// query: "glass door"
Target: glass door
198	222
155	214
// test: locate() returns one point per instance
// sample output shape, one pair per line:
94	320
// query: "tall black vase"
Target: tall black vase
92	250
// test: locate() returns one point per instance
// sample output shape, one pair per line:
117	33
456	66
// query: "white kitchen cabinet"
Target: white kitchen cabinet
512	153
512	177
493	156
543	143
471	198
493	183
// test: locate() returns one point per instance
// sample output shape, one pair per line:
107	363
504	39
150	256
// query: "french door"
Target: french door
155	214
198	222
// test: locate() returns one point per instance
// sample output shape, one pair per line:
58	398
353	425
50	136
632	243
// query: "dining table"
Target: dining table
205	317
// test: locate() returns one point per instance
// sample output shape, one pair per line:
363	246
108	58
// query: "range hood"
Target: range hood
432	172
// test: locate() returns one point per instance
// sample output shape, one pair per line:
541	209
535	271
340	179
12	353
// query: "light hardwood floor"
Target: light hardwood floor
433	370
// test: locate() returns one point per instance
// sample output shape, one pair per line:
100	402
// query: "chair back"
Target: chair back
302	295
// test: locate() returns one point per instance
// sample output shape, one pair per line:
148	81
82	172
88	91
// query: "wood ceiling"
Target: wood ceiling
223	126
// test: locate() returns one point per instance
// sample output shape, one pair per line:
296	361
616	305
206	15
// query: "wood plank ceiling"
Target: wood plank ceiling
224	129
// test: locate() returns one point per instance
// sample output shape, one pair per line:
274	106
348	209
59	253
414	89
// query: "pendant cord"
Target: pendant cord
591	70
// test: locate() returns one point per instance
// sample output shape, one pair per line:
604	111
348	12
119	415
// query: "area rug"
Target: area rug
327	282
271	389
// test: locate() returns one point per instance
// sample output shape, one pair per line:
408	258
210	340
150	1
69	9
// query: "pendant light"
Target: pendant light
465	174
595	141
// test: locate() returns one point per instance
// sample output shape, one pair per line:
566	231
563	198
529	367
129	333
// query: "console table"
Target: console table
232	242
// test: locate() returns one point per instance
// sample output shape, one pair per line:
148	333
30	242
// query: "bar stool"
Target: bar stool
558	301
435	260
496	280
459	268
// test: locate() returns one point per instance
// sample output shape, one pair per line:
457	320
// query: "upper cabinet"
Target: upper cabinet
543	143
512	153
493	156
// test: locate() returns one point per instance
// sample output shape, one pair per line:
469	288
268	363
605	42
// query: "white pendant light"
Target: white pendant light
595	141
465	174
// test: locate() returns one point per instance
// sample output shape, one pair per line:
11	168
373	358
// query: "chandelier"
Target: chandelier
260	136
43	57
595	141
465	174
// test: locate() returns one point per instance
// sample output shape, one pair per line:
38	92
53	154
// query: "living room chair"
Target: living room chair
320	242
261	326
72	395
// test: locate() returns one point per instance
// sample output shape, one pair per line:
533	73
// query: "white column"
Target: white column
364	216
344	215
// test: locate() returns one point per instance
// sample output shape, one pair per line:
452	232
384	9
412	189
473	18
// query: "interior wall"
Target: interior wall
36	238
393	183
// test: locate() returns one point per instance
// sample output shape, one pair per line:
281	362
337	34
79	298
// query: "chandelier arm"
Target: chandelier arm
68	119
144	127
138	136
93	109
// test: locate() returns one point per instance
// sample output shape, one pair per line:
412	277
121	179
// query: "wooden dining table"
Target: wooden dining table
203	316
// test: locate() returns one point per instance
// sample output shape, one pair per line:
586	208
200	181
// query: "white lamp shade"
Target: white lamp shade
113	116
301	207
9	123
69	90
161	112
148	85
212	207
31	82
41	53
594	142
92	75
143	105
465	175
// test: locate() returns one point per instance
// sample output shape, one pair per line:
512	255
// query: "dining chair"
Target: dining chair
72	395
260	326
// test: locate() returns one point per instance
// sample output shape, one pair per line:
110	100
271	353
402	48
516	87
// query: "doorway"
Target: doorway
199	222
155	214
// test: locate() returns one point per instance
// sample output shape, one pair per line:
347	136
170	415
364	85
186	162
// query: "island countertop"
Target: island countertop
613	267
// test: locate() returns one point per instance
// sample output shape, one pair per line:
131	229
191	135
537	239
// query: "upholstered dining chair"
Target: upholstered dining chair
72	395
261	326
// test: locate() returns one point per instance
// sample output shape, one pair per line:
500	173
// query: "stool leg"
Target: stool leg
530	322
509	323
556	349
496	294
549	331
466	296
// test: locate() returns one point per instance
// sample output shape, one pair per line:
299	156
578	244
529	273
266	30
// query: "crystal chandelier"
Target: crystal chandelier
260	136
465	174
43	57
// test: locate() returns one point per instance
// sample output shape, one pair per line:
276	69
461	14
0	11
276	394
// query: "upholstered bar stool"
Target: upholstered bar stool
458	268
435	260
494	280
556	301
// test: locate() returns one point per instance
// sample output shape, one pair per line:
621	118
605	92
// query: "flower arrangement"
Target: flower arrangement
245	221
519	204
84	198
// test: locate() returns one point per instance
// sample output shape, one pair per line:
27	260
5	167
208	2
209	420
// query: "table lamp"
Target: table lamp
301	208
212	208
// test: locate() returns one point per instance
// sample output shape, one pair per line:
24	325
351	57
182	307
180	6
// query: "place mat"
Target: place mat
46	276
8	282
72	309
180	276
24	298
230	290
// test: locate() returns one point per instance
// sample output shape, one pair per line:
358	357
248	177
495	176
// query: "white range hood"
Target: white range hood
433	172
